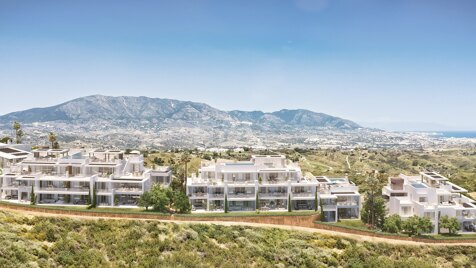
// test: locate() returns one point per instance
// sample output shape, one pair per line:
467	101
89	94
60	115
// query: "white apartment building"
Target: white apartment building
59	176
272	181
339	199
430	195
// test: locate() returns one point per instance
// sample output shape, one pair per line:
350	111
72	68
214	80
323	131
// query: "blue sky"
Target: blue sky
392	64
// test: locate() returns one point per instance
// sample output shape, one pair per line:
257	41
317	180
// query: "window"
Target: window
422	200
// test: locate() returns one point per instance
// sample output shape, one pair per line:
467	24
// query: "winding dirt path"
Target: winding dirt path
357	237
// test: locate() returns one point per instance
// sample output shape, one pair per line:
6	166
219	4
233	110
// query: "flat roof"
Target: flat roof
434	176
419	185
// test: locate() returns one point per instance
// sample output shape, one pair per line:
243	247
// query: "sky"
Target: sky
399	64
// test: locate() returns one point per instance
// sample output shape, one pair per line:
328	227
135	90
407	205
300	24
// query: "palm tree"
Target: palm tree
18	131
185	159
52	138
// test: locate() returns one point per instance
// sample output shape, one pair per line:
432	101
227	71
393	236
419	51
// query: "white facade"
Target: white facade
272	181
59	176
339	199
430	195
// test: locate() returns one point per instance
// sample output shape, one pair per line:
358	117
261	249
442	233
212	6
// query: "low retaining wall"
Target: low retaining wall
388	236
291	220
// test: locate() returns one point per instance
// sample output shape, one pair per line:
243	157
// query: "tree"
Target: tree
88	202
181	204
56	145
6	140
145	200
18	132
451	224
52	139
257	200
160	198
316	203
417	225
290	209
176	184
393	224
32	196
374	209
185	159
94	198
158	161
226	204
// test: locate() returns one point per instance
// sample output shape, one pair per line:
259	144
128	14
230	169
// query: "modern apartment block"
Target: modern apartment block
10	154
59	176
339	199
272	181
430	195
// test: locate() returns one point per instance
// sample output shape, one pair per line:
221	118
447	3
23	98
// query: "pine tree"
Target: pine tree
89	197
315	202
289	203
226	204
32	196
257	200
94	198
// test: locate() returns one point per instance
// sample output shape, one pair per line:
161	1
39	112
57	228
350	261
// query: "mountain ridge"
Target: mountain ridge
170	111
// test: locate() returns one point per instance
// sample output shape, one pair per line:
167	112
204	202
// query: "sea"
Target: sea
456	134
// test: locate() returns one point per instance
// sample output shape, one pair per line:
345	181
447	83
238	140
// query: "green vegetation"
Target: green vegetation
290	209
32	196
226	203
5	139
374	210
416	226
93	198
18	132
393	224
62	242
52	138
451	224
165	200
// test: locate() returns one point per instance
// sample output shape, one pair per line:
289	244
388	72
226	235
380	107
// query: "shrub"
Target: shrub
417	225
451	224
393	224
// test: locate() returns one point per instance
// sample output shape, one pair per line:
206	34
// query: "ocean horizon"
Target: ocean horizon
455	134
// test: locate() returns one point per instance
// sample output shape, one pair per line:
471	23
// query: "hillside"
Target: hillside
62	242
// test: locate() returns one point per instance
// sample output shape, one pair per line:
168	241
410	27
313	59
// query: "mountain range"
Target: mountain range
116	110
143	122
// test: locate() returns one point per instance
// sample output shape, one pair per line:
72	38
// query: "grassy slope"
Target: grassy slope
113	243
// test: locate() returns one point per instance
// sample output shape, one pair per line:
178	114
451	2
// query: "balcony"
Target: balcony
329	207
216	195
274	182
61	189
467	215
347	203
103	190
11	185
304	194
274	194
129	190
198	195
241	195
